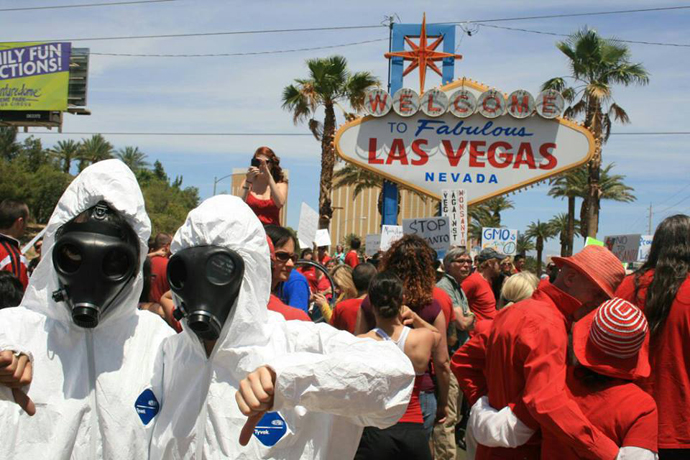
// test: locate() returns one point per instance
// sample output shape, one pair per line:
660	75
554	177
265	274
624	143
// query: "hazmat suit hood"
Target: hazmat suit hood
110	181
208	225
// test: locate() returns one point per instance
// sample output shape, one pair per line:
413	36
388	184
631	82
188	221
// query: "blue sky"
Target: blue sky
242	93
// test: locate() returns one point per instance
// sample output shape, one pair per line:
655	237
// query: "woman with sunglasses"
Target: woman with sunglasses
264	188
289	285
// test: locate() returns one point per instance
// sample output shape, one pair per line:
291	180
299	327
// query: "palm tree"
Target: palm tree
611	187
66	152
596	64
570	186
541	232
561	226
94	150
495	206
9	148
133	158
524	244
486	214
329	82
363	179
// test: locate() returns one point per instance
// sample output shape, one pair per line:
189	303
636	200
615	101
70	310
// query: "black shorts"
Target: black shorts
400	442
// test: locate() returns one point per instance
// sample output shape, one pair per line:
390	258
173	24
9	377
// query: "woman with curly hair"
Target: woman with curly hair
661	288
412	260
264	188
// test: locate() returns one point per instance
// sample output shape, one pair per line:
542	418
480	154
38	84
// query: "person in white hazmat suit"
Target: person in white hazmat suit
93	351
325	385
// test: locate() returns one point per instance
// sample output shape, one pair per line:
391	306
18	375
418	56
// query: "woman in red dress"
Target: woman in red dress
264	188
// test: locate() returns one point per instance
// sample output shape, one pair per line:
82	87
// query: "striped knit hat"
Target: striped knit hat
613	340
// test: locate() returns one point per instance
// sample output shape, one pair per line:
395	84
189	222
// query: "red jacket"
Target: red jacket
669	381
480	296
525	367
12	260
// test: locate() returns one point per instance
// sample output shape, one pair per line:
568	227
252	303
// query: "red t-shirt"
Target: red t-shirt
288	312
669	381
480	296
446	304
351	259
12	260
310	274
159	278
323	284
324	259
266	210
345	315
620	409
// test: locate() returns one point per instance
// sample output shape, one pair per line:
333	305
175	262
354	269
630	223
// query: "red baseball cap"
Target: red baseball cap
613	340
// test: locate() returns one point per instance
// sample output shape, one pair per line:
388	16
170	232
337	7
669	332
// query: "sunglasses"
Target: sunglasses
285	256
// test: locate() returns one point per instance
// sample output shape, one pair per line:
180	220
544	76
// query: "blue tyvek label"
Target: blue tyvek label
270	429
147	406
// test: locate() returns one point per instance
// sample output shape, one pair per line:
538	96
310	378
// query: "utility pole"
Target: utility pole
649	229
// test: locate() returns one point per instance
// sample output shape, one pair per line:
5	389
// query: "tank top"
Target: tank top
413	414
266	210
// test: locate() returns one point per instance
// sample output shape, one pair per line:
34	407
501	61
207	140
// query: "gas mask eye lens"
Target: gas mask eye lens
177	273
219	269
68	258
116	264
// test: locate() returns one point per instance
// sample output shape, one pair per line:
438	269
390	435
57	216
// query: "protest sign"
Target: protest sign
322	238
435	230
454	206
625	247
645	246
593	242
502	240
389	235
373	244
308	224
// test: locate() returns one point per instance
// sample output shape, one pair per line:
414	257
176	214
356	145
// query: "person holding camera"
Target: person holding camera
264	189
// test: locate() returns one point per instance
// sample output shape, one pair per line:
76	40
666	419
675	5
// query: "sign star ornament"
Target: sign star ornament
423	55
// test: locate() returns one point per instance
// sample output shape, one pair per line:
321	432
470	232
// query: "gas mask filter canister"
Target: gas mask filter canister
95	256
206	281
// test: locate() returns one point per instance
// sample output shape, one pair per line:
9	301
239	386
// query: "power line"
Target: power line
85	5
240	133
249	53
675	194
209	34
637	42
359	27
574	15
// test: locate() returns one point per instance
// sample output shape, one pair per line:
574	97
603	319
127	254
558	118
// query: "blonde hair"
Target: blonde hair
517	287
342	276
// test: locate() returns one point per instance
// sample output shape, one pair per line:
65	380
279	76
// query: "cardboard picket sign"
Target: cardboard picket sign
308	225
322	238
625	247
502	240
373	244
389	235
454	206
645	247
435	230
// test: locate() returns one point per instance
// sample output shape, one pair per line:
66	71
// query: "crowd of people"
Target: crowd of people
222	342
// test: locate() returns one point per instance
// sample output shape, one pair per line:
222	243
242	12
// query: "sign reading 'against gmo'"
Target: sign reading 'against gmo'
466	136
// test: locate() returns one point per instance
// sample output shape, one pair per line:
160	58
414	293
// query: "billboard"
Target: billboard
464	136
34	76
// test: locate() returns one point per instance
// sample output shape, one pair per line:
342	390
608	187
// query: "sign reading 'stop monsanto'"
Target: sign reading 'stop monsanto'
465	136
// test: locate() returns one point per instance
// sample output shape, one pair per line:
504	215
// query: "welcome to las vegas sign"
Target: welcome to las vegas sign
464	135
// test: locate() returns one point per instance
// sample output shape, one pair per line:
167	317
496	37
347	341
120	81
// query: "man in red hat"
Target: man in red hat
610	349
524	357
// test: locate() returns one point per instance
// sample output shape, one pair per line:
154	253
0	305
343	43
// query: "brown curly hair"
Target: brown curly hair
411	259
276	170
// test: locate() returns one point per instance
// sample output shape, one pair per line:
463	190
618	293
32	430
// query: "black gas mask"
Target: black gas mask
95	256
206	281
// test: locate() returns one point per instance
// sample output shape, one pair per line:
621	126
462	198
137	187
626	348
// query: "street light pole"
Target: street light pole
215	181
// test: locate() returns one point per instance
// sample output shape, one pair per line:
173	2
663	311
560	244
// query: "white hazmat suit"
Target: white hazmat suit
329	384
86	382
